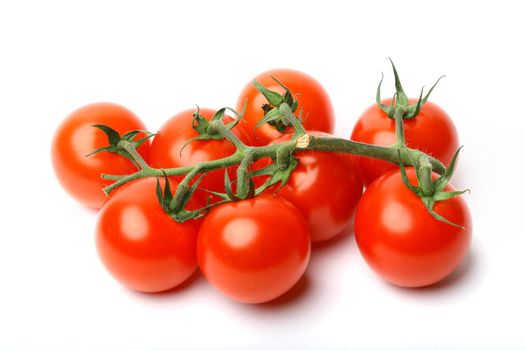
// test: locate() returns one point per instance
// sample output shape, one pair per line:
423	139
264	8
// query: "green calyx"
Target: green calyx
400	99
430	191
174	205
213	129
272	112
207	130
121	144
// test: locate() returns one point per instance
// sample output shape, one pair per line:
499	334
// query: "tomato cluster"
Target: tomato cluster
255	249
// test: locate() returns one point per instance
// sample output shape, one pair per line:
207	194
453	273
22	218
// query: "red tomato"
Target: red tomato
325	187
75	138
140	245
254	250
401	241
166	147
317	114
431	131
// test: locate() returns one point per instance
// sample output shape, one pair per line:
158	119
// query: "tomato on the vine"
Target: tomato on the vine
76	137
431	131
325	187
140	245
254	250
402	241
167	147
317	108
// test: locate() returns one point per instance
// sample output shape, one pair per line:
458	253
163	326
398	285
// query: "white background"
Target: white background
157	58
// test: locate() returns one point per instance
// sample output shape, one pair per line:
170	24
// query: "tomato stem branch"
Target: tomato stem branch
286	111
130	148
243	178
328	144
228	134
425	176
399	116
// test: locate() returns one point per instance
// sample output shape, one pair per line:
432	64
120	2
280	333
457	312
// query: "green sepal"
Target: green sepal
430	209
130	135
239	115
228	187
444	179
219	115
235	121
280	126
168	195
443	196
114	138
432	88
203	127
103	149
406	181
271	111
112	134
218	194
158	192
401	99
164	197
294	105
251	189
267	170
282	175
413	110
287	96
272	116
185	215
384	107
274	98
437	194
174	205
199	123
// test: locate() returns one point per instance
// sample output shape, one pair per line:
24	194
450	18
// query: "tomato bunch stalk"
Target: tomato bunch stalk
281	113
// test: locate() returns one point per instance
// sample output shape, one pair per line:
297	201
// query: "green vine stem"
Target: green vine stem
281	112
329	144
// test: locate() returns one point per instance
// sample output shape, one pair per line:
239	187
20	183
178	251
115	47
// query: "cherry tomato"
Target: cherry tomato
254	250
401	241
76	137
431	131
317	108
140	245
325	188
166	147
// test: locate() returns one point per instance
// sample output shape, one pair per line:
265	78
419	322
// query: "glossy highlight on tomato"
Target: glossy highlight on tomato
176	131
254	250
140	245
431	131
325	187
76	137
317	108
401	241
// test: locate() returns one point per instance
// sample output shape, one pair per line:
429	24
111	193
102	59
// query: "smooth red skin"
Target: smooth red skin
401	241
166	146
431	131
325	187
140	245
75	138
317	114
254	250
